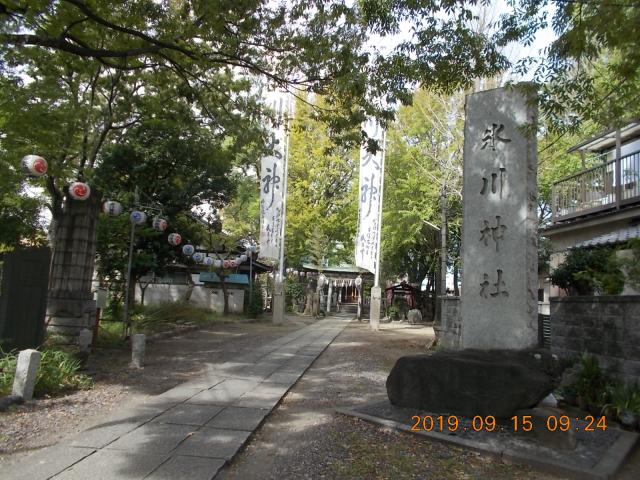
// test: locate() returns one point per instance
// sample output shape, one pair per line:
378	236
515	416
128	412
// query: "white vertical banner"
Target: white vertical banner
370	199
273	173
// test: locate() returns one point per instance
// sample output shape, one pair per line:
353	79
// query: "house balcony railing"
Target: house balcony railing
607	186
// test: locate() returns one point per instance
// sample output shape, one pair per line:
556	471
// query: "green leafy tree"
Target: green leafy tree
322	193
424	156
592	70
174	164
589	270
76	75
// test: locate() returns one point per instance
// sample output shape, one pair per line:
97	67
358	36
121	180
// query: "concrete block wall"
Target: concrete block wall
201	296
606	326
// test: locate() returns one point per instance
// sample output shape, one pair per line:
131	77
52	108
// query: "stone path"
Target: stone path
193	430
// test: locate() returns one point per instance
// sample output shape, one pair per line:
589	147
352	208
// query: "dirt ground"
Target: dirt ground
304	438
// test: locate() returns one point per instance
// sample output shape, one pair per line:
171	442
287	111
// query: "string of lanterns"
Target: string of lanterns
36	166
138	217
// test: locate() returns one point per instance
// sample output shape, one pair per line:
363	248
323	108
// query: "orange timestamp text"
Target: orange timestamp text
517	423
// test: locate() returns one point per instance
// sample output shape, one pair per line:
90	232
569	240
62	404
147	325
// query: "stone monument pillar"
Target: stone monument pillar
499	241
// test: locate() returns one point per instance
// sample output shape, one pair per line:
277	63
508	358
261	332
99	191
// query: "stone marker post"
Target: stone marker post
137	350
278	302
26	371
85	339
375	308
499	242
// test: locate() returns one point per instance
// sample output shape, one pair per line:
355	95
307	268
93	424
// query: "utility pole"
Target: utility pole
126	324
443	247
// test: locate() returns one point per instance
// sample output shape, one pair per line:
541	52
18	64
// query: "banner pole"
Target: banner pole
284	195
278	305
379	249
375	307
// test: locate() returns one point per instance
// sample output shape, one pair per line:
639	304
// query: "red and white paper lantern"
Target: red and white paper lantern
112	208
174	239
34	165
138	217
226	263
160	224
79	191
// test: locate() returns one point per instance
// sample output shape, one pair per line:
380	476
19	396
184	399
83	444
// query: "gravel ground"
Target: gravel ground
169	362
304	438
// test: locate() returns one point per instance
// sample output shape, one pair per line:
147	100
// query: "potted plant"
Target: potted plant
591	386
625	402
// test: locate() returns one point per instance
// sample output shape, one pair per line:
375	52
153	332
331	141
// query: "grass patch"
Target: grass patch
110	335
158	318
150	319
57	373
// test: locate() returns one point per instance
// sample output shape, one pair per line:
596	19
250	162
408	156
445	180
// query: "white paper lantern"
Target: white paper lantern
159	224
208	261
217	263
198	257
34	165
112	208
174	239
188	250
79	191
138	217
243	258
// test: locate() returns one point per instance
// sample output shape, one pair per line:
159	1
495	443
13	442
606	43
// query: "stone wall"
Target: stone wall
606	326
451	329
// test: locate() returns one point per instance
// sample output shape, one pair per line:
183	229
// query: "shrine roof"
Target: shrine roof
337	269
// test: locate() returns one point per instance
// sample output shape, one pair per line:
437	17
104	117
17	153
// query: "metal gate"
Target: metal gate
24	278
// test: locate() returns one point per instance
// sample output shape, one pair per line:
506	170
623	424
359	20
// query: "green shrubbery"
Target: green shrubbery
599	393
586	271
295	293
58	372
255	302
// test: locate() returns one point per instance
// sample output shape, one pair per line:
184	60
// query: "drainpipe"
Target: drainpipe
618	172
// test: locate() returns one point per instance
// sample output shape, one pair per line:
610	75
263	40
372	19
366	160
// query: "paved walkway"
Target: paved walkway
193	430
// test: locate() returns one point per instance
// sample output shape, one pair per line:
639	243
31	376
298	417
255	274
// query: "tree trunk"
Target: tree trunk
190	286
456	290
225	294
143	290
70	303
308	307
132	291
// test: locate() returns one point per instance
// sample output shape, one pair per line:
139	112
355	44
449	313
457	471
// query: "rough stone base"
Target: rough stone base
67	323
473	382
